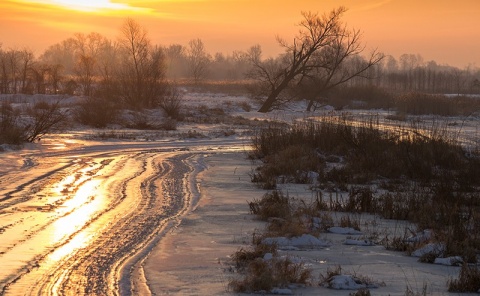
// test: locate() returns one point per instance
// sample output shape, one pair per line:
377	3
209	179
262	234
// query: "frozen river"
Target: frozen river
78	219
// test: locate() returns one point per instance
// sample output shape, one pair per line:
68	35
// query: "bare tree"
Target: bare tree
63	53
88	49
3	72
198	59
176	55
39	73
27	58
318	52
85	70
55	77
108	58
142	76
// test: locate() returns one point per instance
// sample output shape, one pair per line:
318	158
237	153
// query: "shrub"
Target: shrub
243	257
45	118
11	132
96	112
361	199
273	204
172	103
39	120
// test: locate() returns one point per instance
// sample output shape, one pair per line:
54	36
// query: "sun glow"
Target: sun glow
90	5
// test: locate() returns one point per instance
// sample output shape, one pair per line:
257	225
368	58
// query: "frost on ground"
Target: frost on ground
306	241
193	257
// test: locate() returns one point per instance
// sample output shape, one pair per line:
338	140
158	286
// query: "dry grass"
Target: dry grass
427	176
468	280
259	274
264	275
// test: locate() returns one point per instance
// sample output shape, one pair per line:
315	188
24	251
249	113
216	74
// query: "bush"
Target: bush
172	103
271	205
243	257
39	120
96	112
45	118
11	132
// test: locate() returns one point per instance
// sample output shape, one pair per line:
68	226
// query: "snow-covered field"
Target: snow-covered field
154	212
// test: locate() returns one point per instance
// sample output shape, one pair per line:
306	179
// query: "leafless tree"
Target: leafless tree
85	70
176	55
27	59
142	76
88	49
39	73
55	77
318	52
3	72
108	58
10	68
63	53
198	59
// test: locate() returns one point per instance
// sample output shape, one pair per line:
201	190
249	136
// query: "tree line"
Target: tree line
132	70
85	64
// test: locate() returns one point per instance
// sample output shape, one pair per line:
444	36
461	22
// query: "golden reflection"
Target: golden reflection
62	186
80	209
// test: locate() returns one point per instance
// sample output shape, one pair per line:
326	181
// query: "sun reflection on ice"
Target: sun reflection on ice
80	210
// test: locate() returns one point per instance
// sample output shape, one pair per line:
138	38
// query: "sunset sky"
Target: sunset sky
446	31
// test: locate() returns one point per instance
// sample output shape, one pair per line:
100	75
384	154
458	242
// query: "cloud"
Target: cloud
373	5
97	6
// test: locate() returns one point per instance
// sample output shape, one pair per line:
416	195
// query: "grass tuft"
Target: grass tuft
468	280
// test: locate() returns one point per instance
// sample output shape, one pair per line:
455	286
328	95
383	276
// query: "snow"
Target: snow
344	230
431	248
359	242
346	282
268	256
421	236
304	241
278	291
454	260
193	257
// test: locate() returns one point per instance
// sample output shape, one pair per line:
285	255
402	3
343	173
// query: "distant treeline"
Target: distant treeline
77	65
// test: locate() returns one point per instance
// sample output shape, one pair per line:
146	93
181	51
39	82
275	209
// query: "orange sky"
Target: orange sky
447	31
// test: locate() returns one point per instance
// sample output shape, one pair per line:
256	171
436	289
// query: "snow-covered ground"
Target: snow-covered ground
77	193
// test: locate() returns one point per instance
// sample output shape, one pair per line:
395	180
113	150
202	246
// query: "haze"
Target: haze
440	30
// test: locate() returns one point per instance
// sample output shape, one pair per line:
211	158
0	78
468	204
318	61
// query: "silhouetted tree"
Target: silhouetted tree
88	49
26	60
142	74
198	59
176	55
318	52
